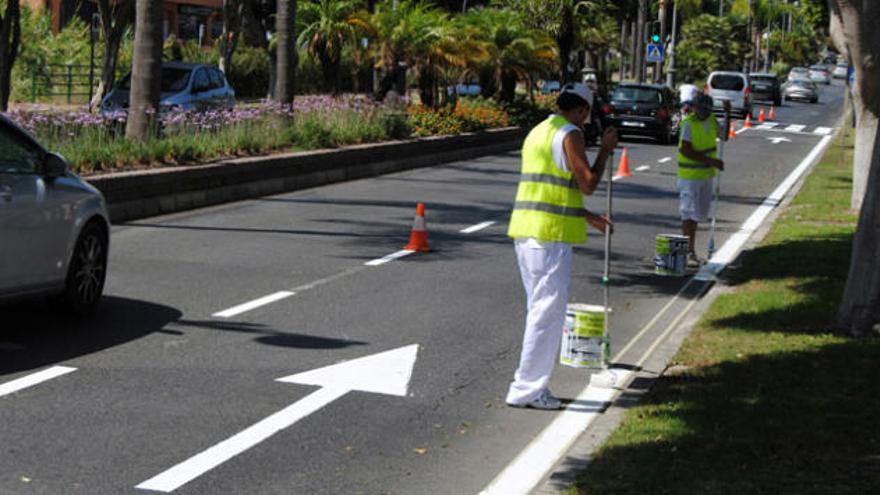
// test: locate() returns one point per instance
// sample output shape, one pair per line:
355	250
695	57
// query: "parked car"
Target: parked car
550	87
800	89
465	89
840	71
643	110
730	86
183	86
766	87
819	73
55	226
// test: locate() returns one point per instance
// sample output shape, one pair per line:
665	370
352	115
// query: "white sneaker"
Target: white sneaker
545	401
694	261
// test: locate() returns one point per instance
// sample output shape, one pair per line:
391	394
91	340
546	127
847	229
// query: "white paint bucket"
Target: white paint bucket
584	343
671	255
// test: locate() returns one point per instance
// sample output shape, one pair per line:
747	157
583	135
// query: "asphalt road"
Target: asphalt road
156	377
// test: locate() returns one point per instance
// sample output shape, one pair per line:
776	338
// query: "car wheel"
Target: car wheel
87	271
778	102
814	100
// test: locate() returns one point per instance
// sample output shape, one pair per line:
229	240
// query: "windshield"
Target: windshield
635	94
173	80
763	79
727	82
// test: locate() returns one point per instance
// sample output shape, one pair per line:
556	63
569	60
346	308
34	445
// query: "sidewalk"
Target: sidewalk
760	398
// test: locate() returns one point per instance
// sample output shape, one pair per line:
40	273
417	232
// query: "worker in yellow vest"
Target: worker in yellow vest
548	219
697	161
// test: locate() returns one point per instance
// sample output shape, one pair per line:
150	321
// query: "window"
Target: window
727	82
201	81
636	95
174	80
216	78
17	156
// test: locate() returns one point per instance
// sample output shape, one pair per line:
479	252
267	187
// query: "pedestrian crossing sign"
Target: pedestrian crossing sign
654	53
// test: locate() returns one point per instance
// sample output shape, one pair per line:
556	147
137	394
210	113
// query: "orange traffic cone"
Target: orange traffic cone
761	115
418	237
731	134
623	167
772	112
748	124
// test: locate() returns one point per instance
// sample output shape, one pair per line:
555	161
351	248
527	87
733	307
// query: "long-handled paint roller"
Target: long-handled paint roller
717	188
606	378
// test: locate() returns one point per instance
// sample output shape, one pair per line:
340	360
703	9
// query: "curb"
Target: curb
140	194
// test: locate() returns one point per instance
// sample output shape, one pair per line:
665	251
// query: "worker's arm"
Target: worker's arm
586	177
688	151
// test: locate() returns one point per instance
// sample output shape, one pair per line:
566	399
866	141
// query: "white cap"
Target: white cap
580	90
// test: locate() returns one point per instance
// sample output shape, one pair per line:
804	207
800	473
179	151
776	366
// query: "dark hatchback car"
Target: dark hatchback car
766	87
643	110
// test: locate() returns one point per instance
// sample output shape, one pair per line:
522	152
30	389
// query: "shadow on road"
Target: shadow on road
34	334
270	336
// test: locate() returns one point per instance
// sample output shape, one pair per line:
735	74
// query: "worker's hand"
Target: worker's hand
609	139
718	164
600	223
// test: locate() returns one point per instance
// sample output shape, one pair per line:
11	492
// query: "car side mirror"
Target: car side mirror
54	166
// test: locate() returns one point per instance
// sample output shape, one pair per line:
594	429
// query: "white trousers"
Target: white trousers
546	273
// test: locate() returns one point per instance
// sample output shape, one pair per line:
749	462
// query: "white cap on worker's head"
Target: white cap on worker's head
580	90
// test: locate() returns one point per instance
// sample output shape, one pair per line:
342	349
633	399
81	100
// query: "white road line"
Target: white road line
795	128
390	257
474	228
528	469
643	168
824	131
256	303
767	125
34	379
664	160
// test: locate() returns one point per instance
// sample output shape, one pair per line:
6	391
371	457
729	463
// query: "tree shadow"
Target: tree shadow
273	337
34	334
792	422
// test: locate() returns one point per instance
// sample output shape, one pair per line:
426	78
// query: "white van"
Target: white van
730	86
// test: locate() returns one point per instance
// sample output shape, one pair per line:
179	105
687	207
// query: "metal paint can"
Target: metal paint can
671	255
584	343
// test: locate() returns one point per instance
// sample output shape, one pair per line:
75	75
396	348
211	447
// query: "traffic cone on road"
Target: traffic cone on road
418	237
772	112
761	117
623	167
748	124
731	134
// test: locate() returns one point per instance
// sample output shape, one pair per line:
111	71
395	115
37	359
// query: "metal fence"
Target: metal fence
69	81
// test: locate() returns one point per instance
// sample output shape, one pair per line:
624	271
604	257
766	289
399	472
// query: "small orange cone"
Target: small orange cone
731	134
623	167
761	117
772	112
418	237
748	124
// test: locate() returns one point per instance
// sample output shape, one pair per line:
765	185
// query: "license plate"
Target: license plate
627	123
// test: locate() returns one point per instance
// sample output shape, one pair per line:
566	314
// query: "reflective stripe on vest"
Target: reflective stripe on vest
549	206
701	141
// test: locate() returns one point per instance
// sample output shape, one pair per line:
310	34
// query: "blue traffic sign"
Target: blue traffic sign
654	53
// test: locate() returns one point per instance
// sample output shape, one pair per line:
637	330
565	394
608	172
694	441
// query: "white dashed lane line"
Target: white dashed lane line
643	168
256	303
477	227
390	257
664	160
34	379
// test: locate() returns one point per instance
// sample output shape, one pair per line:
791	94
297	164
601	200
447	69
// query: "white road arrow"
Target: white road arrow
777	140
387	372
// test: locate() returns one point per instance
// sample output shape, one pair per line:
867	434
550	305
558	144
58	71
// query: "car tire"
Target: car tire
778	102
86	271
814	100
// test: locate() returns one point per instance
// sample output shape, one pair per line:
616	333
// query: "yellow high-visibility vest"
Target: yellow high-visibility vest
702	141
549	206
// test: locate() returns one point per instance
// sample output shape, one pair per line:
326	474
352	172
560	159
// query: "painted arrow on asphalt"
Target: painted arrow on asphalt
777	140
387	372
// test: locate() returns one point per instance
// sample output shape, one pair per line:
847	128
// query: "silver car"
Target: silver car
800	89
54	227
184	87
733	87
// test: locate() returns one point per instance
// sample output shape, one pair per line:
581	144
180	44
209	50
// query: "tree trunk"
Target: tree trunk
853	27
114	20
565	42
285	30
232	12
10	37
145	71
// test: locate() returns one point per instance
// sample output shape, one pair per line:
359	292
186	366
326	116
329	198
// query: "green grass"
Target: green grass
764	399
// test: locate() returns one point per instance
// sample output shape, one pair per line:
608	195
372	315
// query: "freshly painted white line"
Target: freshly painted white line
530	466
474	228
824	131
390	257
387	373
664	160
34	379
767	125
642	168
256	303
728	252
795	128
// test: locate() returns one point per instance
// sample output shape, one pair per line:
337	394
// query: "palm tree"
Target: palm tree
326	27
10	37
146	69
285	29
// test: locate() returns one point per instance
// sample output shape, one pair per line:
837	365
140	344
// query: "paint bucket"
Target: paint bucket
671	257
584	343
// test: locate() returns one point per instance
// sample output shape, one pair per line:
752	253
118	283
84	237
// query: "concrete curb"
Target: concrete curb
140	194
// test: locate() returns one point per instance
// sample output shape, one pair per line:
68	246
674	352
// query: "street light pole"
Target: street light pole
661	15
670	72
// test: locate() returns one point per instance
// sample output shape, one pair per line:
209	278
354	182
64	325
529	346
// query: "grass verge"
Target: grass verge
764	399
